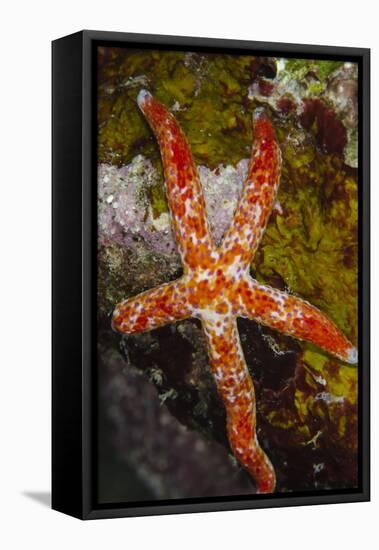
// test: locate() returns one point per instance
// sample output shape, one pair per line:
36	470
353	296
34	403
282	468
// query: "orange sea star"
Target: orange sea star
216	286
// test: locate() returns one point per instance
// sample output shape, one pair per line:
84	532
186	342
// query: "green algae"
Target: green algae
307	78
158	200
310	248
320	70
207	91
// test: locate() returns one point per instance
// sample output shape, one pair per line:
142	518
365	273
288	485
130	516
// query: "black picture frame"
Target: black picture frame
74	274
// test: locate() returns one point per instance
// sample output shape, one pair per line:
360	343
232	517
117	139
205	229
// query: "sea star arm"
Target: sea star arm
291	315
152	309
258	195
183	186
236	389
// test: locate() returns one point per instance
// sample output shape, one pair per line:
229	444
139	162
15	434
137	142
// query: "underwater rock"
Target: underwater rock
171	460
322	95
342	92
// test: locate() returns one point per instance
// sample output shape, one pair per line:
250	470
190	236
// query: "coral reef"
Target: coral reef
307	412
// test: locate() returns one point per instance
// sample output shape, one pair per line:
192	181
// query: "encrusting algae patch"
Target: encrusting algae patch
306	399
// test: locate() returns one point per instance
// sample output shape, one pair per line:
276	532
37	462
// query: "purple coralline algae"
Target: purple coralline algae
125	213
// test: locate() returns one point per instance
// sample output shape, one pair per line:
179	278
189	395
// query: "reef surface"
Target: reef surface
306	400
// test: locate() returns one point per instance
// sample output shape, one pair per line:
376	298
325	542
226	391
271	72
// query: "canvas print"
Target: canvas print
227	305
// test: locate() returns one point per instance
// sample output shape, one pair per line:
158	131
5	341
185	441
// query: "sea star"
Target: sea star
216	286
